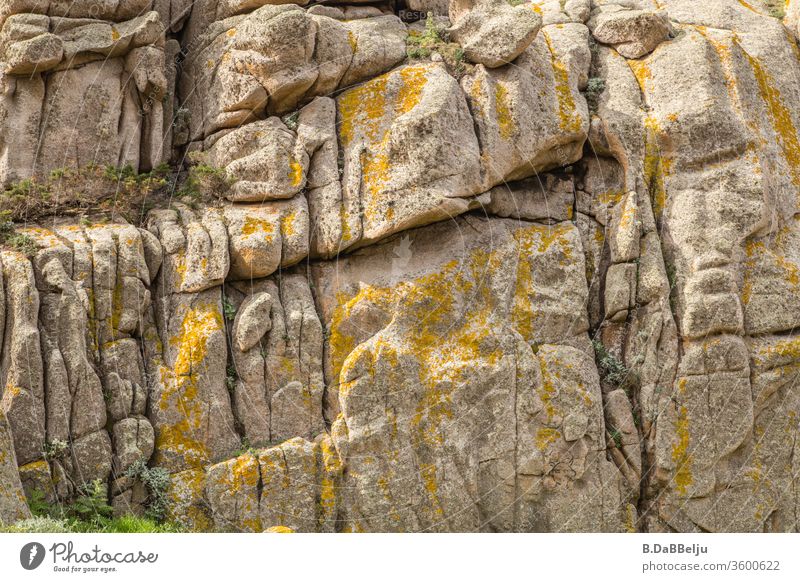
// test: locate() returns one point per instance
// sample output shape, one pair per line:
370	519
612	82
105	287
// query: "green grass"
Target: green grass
89	511
124	524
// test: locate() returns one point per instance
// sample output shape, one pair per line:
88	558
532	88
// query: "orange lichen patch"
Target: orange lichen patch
344	221
680	453
775	255
115	35
366	113
375	168
545	437
547	391
446	344
610	197
362	107
197	327
288	226
531	240
748	6
724	51
656	166
295	172
780	116
642	73
476	93
331	467
428	474
254	225
231	32
781	357
352	40
413	80
535	6
569	118
180	398
11	391
279	529
505	120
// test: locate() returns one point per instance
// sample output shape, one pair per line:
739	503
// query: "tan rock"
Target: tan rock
492	32
13	506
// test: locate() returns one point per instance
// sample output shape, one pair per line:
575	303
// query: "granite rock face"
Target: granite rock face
540	272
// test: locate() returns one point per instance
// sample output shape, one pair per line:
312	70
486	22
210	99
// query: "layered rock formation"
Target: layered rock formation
539	273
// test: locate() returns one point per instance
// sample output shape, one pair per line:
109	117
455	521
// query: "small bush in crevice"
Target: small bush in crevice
594	88
435	39
203	184
228	308
612	370
55	449
156	480
230	378
616	437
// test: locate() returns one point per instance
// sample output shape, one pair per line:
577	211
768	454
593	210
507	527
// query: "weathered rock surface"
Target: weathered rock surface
546	279
82	84
12	497
492	32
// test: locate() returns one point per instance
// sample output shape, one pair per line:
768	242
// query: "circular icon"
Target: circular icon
31	555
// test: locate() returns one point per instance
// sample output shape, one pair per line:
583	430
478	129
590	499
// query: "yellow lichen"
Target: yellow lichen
505	121
680	453
288	227
254	225
569	118
545	437
780	116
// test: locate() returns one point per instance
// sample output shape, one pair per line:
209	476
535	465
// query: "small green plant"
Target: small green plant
228	308
10	238
6	224
40	507
91	505
594	88
133	524
612	370
246	448
22	243
203	182
435	39
291	120
230	378
616	437
156	480
776	8
55	449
